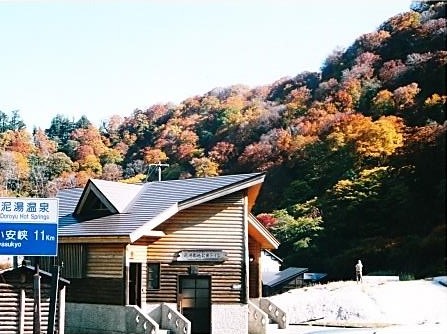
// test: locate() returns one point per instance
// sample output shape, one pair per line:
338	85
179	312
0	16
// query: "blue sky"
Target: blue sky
100	58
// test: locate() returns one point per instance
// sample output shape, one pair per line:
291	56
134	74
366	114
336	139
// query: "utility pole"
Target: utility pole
159	166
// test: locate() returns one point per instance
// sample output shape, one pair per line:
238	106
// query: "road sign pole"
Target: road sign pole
37	308
53	298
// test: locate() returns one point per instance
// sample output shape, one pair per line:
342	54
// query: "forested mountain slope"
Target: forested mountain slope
354	154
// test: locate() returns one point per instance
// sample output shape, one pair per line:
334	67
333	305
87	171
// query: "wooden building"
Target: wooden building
18	301
282	281
190	243
275	280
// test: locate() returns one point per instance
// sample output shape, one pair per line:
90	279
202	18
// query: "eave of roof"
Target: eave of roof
273	256
107	239
258	232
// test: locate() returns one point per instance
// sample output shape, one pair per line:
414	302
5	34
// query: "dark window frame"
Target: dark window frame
153	275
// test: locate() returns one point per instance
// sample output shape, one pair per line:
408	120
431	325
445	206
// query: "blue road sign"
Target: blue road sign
28	226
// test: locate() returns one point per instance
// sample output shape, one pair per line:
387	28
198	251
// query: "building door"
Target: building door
135	284
195	302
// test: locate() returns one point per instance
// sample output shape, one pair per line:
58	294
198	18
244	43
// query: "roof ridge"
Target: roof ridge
136	197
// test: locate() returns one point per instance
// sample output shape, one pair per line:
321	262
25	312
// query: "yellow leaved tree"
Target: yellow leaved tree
375	139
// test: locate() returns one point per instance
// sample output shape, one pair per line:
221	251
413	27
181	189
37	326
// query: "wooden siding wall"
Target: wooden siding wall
105	260
217	224
10	296
254	249
9	309
104	282
136	253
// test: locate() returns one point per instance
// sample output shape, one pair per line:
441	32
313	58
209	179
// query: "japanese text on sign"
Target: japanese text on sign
28	226
205	255
28	210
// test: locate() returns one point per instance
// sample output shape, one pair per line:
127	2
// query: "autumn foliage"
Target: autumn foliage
354	154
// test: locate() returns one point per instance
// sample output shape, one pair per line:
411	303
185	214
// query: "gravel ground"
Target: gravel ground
388	306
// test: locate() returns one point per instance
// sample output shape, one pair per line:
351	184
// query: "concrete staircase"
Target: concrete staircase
275	314
264	316
170	320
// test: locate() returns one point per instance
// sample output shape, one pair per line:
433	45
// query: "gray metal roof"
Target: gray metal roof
314	277
273	279
146	208
68	199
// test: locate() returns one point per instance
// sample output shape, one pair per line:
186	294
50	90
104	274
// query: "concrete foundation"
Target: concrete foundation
107	319
229	319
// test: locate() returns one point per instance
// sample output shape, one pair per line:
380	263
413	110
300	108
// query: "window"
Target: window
153	276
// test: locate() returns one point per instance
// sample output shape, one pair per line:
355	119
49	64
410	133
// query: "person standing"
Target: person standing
358	271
